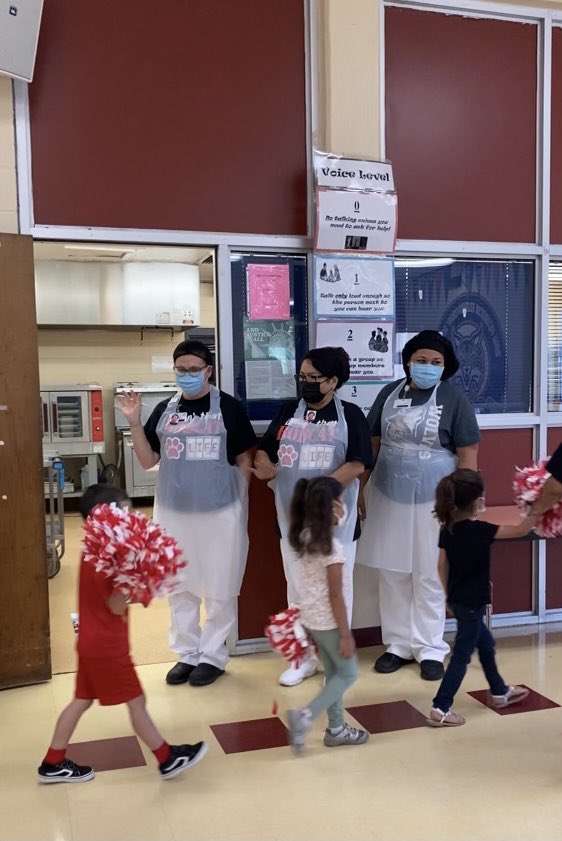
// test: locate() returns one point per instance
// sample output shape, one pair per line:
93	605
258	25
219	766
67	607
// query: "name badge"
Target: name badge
404	403
176	418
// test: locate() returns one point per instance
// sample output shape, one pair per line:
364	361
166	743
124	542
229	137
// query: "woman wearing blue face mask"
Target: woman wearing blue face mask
201	439
422	429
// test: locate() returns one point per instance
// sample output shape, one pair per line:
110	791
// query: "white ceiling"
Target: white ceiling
83	252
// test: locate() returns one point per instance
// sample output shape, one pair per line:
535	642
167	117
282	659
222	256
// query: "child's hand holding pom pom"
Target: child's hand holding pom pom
288	636
527	486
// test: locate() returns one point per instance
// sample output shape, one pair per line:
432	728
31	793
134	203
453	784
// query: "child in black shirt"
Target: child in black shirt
464	569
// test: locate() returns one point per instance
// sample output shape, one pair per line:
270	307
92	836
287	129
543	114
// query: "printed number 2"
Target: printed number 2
350	335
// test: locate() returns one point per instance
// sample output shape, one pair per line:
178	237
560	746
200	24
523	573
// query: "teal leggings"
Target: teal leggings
340	673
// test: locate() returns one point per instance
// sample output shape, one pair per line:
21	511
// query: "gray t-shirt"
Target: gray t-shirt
457	424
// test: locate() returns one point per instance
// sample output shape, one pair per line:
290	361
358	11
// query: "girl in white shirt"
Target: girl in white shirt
316	508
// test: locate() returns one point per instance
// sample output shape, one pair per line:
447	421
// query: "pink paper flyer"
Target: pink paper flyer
269	293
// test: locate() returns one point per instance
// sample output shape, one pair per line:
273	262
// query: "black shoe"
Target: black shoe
388	663
179	673
205	674
181	758
431	670
65	771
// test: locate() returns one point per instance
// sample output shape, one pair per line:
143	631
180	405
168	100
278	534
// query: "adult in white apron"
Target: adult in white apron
409	422
318	435
202	501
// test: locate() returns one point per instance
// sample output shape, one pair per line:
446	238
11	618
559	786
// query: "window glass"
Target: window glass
485	308
269	320
555	337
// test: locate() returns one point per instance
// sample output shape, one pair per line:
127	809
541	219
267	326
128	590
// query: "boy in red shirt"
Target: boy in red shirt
106	672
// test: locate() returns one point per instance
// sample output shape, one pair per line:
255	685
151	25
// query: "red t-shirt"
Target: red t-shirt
101	633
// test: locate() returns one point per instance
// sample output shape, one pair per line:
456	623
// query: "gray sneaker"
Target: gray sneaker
348	735
299	725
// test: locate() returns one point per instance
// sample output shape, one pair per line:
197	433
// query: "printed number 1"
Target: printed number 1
350	335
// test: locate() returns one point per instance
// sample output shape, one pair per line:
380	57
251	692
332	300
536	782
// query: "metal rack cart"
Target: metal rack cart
54	487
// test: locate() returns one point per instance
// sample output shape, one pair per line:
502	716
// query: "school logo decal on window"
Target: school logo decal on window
474	329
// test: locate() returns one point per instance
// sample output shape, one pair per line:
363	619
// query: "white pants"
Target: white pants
291	565
412	607
195	644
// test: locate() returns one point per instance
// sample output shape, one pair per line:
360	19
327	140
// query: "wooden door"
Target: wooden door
25	655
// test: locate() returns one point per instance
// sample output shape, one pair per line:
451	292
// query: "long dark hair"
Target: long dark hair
331	362
311	516
455	493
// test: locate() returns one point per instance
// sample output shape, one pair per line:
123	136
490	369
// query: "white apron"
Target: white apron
410	464
202	500
307	450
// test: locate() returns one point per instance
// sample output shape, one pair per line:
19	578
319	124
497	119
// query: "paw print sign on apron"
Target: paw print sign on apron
307	450
410	464
202	500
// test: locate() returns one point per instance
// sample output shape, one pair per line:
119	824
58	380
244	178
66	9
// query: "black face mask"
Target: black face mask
311	392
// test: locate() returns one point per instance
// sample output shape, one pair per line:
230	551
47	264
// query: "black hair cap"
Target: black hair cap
432	340
194	348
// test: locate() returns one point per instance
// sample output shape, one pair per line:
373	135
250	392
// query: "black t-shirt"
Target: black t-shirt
468	553
240	435
554	466
358	436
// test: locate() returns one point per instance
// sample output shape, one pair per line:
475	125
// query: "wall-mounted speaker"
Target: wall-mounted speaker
19	31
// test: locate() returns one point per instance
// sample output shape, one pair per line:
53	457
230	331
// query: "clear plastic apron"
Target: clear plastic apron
307	450
202	500
410	464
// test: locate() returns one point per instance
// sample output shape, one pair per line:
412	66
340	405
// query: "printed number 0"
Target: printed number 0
350	335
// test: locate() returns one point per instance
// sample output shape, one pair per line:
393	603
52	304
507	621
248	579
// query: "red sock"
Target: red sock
162	753
54	756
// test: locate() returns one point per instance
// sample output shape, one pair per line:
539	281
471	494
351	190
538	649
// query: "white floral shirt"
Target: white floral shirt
315	606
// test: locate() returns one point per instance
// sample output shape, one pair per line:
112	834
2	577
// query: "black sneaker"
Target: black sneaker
431	670
205	674
65	771
181	758
388	663
179	674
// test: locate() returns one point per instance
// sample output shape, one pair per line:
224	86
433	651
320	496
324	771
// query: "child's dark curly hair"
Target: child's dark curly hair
311	517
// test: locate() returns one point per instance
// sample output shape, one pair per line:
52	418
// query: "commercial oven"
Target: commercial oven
72	419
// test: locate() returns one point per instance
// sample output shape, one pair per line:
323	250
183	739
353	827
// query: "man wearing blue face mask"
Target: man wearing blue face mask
202	440
422	429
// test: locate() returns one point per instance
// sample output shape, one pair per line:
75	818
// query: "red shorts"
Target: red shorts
110	681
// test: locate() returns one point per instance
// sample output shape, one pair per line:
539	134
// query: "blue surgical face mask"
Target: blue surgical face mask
425	375
191	384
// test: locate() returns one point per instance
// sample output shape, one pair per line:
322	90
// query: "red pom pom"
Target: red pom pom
527	485
287	635
136	554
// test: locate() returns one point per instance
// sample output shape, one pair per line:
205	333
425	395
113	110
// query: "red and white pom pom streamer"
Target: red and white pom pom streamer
527	485
141	560
287	635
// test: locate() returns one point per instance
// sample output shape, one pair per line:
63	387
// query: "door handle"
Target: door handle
55	418
45	419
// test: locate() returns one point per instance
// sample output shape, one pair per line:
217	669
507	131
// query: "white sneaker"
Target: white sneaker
296	674
300	722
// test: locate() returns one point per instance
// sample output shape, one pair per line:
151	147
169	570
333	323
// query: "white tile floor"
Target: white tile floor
495	778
